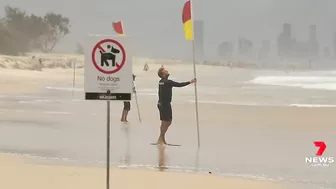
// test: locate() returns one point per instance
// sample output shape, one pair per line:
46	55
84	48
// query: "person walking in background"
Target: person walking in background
146	67
127	105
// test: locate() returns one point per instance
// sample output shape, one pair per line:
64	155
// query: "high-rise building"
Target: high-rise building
312	33
334	43
287	30
312	42
225	50
284	41
244	46
199	40
287	37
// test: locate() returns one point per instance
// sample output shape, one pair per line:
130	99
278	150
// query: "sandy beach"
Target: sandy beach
17	172
41	114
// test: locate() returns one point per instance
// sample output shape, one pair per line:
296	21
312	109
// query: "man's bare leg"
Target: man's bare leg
163	129
162	159
124	116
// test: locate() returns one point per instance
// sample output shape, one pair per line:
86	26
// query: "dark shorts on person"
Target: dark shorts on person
166	113
127	106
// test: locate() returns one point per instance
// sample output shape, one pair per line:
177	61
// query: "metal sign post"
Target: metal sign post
108	146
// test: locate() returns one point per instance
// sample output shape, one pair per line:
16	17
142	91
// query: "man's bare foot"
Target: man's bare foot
160	141
123	120
161	146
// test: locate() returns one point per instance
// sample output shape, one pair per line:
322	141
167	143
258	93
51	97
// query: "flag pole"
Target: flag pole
196	99
195	84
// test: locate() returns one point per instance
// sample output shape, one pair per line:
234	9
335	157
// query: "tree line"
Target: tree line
21	32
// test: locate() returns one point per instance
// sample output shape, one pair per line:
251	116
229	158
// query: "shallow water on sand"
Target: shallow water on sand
59	124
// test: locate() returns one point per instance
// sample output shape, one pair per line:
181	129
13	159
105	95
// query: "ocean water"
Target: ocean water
305	82
59	126
318	86
307	89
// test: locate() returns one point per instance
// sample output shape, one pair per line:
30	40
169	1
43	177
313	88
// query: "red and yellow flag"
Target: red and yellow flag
187	21
118	27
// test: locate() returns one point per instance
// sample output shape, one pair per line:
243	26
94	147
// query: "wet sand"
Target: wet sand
17	172
15	81
44	118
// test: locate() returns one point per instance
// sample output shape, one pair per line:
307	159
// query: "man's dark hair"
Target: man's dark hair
160	72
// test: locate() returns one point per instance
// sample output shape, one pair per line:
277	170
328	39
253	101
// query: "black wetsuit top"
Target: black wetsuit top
165	90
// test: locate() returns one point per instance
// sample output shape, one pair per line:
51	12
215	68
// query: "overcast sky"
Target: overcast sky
157	31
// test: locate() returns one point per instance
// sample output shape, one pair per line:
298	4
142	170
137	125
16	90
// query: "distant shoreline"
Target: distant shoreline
31	61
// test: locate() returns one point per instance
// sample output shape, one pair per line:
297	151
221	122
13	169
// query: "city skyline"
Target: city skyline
157	31
287	46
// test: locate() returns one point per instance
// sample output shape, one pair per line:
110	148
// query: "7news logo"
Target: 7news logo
319	160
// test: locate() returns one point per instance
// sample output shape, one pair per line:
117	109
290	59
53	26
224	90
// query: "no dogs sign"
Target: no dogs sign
108	68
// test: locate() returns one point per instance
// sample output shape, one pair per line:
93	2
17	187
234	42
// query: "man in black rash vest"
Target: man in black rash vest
164	103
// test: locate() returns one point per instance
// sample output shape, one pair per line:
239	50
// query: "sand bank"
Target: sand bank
32	61
17	173
56	60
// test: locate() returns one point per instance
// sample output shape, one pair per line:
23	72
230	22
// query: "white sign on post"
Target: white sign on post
108	69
